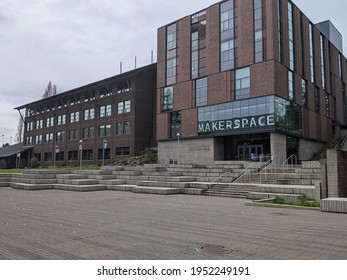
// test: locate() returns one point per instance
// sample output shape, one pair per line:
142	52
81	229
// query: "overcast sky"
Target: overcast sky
73	43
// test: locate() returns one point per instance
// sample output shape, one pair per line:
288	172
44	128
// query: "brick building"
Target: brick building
245	77
112	118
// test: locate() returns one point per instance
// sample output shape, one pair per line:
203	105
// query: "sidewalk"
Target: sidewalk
58	225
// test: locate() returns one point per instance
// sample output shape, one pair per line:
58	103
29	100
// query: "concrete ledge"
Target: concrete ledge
281	206
334	204
30	187
288	197
192	191
122	188
80	188
155	190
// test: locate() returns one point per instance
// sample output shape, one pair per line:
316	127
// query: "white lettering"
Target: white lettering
221	125
201	127
270	120
261	121
214	126
244	122
237	124
207	127
229	125
253	123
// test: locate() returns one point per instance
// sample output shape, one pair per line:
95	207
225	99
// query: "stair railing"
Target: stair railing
342	144
293	159
267	167
215	181
244	173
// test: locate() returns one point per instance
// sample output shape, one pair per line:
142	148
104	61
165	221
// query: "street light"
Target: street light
55	152
178	146
104	147
81	150
3	139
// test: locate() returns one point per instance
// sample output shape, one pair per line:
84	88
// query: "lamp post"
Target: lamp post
104	147
3	139
178	146
55	152
81	150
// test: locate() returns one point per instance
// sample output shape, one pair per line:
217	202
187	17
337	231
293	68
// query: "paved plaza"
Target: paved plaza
53	224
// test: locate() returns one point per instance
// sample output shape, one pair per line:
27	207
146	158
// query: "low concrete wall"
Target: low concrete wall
335	205
337	173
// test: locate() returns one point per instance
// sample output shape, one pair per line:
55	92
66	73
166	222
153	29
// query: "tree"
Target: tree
20	130
50	90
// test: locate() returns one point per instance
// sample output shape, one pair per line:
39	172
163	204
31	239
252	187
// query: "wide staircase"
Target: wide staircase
227	179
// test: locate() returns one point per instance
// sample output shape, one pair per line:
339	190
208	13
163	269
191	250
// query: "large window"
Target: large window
104	153
88	132
312	64
322	55
39	124
49	138
228	42
50	122
279	29
124	107
171	37
317	99
171	68
38	139
176	124
87	154
72	155
242	83
30	126
105	130
200	92
73	134
105	111
29	141
123	128
290	85
327	105
122	151
74	117
198	45
291	37
167	99
171	54
60	136
89	114
61	119
258	31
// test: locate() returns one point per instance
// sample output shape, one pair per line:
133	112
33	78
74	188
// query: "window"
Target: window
60	137
227	55
340	66
73	134
61	119
105	111
74	117
39	124
123	151
88	132
104	153
89	114
304	91
124	107
49	138
322	61
123	128
50	122
37	156
105	130
279	29
167	99
227	19
30	126
29	140
59	156
200	92
171	68
198	45
258	31
47	156
290	85
124	86
72	155
171	37
87	155
312	64
175	123
38	139
242	83
291	36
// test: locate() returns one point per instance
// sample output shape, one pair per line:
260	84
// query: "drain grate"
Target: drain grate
279	214
214	249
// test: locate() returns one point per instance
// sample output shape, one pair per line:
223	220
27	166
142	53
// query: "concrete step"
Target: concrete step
80	188
192	191
93	172
35	176
127	173
163	184
71	176
112	182
125	188
155	190
77	182
5	184
31	187
33	181
101	177
162	173
259	196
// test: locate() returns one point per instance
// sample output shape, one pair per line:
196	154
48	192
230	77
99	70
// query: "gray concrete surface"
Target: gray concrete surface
55	224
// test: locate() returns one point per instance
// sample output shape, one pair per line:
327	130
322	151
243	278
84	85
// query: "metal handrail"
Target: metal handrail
286	162
268	164
216	180
244	172
343	142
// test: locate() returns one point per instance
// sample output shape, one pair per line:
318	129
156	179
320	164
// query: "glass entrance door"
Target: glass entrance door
245	152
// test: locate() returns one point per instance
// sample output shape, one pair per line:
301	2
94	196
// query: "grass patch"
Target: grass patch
70	168
299	202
